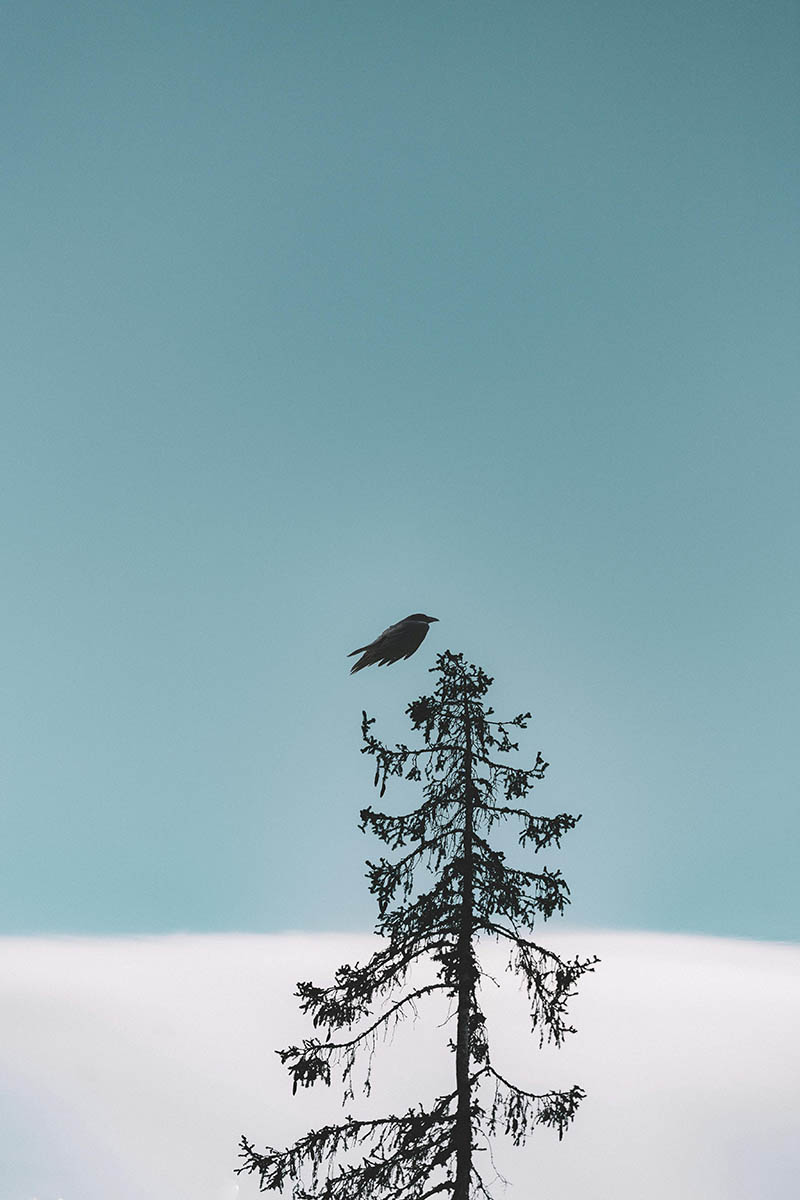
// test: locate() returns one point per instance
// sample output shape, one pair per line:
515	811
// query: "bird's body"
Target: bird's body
396	642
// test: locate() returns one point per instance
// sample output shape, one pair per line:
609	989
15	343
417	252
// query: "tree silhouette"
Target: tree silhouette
472	892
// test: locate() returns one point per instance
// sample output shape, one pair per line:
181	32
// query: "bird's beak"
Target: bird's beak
433	618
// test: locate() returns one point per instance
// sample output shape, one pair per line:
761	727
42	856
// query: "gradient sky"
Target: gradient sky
315	315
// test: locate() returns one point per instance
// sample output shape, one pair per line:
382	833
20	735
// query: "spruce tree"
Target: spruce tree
444	890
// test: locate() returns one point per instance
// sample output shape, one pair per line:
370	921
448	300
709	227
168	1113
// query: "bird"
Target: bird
396	642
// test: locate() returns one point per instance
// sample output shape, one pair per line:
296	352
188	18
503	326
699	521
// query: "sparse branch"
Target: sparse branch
355	989
516	1112
397	831
312	1063
539	831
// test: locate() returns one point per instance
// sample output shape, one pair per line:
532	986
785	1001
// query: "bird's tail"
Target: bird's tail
362	662
358	651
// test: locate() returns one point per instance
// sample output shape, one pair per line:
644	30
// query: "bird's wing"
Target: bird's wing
382	650
401	641
386	638
416	636
394	637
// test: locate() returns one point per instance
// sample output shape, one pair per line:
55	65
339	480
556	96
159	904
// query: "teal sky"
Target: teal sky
315	315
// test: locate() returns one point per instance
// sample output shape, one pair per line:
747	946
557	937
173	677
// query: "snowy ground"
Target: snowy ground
129	1067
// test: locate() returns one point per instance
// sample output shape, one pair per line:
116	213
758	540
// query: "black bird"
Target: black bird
396	642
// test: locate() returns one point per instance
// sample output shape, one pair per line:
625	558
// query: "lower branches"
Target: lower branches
408	1157
404	1155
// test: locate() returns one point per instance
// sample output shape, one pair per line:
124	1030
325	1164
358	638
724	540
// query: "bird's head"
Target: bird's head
421	617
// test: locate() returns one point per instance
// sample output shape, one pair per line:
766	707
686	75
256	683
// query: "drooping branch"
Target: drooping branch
515	1112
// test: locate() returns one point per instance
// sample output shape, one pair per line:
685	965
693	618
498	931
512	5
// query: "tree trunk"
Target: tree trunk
463	1129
